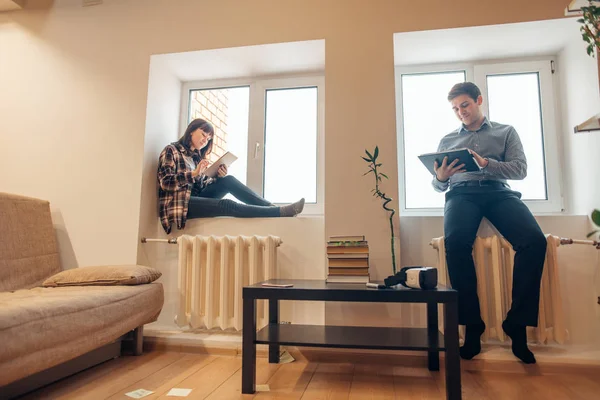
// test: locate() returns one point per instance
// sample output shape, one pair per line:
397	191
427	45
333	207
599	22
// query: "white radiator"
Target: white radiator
494	262
212	272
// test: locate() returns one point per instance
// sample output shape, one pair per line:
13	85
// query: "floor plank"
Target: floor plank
121	378
500	385
289	381
417	383
372	382
217	377
82	379
544	387
204	381
584	387
169	377
330	382
232	388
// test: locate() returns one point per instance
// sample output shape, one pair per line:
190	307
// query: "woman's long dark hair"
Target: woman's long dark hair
186	139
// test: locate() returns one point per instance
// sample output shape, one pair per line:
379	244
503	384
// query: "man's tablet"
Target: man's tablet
227	159
463	156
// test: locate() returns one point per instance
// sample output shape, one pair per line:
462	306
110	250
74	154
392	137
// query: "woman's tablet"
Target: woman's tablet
463	156
227	159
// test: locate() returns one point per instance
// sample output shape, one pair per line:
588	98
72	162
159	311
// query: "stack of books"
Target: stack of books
347	259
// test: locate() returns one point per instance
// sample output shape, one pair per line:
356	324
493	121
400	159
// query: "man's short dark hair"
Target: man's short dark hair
468	88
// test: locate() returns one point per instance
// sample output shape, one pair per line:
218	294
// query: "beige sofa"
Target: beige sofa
47	333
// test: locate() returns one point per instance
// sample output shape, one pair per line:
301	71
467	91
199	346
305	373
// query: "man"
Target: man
474	195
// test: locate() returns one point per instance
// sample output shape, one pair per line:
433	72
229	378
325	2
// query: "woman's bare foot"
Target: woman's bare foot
291	210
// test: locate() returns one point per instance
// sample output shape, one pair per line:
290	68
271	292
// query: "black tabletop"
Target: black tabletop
321	290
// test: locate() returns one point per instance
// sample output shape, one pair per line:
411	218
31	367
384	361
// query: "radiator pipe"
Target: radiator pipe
562	241
170	241
578	241
595	243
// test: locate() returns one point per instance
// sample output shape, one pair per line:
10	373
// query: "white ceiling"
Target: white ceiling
237	62
455	45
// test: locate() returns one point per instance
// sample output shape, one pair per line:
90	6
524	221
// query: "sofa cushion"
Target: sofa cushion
43	327
28	247
104	275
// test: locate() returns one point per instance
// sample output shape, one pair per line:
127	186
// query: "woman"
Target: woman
185	192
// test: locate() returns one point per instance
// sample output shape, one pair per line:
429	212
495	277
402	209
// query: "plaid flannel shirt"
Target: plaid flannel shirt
175	183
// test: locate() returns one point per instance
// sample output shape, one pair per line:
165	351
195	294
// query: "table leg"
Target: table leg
433	355
249	346
273	319
453	386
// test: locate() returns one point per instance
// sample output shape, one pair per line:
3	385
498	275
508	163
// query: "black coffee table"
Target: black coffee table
427	339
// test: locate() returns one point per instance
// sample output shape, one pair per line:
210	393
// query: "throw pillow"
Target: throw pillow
104	275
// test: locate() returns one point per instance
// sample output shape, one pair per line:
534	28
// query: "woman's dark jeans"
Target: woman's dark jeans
209	201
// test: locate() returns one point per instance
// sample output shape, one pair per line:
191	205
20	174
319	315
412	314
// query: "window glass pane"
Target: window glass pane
514	99
291	145
227	110
427	117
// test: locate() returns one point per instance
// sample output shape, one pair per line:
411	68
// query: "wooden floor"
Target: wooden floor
219	378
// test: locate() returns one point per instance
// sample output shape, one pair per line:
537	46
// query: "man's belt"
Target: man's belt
479	183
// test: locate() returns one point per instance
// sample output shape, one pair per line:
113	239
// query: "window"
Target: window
424	95
519	94
291	144
275	127
227	110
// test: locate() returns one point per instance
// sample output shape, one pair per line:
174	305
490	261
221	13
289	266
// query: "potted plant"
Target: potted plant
595	216
371	159
590	29
590	32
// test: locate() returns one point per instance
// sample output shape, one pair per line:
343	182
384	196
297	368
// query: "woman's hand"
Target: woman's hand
445	171
200	168
222	171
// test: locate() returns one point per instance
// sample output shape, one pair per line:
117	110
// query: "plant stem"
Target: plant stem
387	200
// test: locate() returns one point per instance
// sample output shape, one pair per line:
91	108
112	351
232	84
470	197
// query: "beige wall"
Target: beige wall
580	100
74	106
74	84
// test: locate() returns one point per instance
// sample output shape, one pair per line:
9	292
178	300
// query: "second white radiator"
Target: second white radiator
494	263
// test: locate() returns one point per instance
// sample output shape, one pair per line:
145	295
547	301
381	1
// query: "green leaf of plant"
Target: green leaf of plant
376	153
385	176
592	233
378	165
366	159
596	217
368	172
369	154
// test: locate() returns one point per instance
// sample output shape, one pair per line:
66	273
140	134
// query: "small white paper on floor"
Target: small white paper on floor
263	388
179	392
138	394
286	357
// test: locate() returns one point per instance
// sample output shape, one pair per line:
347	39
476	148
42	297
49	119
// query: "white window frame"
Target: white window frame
419	69
553	203
476	73
258	87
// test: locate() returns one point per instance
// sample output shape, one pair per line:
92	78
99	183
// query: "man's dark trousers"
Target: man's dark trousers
465	207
